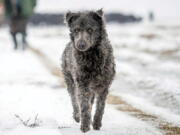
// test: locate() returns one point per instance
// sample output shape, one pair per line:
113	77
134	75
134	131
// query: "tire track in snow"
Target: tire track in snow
53	69
166	127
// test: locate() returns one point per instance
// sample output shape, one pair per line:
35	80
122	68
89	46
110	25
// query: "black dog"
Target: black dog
88	66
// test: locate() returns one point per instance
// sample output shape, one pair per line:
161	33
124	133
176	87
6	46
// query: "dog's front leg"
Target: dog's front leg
85	97
101	99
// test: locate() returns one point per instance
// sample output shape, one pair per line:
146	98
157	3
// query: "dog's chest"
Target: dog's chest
89	66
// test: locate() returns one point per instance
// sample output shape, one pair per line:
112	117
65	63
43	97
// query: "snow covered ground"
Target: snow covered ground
148	71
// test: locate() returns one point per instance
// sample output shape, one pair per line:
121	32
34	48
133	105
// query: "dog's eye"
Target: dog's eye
90	30
76	30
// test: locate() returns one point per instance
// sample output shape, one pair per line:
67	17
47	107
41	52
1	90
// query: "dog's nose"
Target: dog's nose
82	44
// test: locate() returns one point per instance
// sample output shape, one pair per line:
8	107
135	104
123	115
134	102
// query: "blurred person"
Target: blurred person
151	16
1	12
18	12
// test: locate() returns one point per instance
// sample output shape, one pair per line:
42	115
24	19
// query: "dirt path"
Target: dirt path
121	105
166	127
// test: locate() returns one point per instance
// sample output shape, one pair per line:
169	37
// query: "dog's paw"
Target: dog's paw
85	129
96	125
76	117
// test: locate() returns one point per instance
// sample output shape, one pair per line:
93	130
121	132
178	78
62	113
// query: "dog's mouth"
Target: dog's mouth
82	49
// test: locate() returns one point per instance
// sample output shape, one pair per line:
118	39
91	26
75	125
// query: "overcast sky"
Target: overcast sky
161	8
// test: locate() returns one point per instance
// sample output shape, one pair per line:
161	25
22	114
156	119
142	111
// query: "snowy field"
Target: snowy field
34	102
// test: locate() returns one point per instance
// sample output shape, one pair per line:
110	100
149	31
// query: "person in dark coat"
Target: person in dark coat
18	13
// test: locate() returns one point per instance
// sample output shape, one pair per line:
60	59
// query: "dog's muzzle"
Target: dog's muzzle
82	46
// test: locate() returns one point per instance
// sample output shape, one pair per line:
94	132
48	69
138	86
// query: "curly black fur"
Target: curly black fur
88	66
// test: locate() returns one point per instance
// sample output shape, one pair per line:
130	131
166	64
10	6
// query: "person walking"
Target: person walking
18	13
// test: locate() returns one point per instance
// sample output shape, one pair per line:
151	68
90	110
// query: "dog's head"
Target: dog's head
85	28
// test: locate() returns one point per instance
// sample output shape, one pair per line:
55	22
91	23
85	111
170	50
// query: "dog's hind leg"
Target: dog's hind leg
72	93
92	99
101	99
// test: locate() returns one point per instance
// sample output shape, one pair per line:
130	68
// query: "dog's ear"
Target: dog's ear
99	16
100	12
70	17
